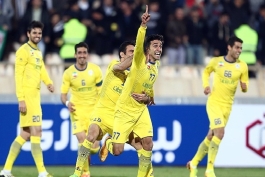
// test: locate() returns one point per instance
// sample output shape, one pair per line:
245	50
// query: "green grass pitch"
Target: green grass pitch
120	171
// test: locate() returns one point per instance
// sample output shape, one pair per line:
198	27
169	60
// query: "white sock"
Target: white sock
43	174
6	171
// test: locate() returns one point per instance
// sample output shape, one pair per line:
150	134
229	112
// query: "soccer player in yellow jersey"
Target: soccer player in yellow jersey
130	114
85	80
29	72
228	71
103	115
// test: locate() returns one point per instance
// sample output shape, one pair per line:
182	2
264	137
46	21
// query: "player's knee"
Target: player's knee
25	136
147	143
93	132
36	131
209	136
91	138
219	133
117	150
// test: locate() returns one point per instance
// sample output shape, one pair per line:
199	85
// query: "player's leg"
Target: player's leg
79	127
217	124
36	151
144	130
81	136
34	118
200	154
122	127
89	146
15	150
135	142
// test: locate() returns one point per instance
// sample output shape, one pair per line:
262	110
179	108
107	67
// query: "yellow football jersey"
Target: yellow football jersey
140	79
225	80
29	69
83	84
112	86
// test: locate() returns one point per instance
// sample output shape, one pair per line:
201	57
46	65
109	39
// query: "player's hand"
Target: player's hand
152	101
50	87
141	97
243	86
145	17
22	106
207	90
71	107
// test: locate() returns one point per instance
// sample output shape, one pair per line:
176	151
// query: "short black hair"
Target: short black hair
152	38
81	44
35	24
124	45
231	41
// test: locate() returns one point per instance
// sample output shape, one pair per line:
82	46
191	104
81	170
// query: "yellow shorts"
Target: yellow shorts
218	115
80	118
124	123
104	118
33	116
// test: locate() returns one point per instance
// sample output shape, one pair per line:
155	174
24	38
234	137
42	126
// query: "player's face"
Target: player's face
129	52
155	50
236	50
35	35
81	55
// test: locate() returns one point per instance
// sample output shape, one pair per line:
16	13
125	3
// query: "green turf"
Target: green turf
61	171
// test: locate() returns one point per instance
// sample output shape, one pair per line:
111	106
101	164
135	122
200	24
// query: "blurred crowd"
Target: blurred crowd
192	29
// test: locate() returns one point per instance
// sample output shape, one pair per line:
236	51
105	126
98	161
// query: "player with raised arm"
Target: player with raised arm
103	115
228	71
29	72
130	114
84	80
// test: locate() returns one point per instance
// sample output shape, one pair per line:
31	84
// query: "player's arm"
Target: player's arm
206	75
142	97
138	58
64	91
45	78
123	65
20	64
244	80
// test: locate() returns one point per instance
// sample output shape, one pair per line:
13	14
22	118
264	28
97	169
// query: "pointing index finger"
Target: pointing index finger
146	9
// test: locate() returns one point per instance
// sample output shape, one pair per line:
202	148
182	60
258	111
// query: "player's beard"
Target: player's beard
82	62
34	40
236	56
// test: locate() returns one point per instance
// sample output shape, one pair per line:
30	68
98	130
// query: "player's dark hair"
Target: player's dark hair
152	38
35	24
231	41
124	45
81	44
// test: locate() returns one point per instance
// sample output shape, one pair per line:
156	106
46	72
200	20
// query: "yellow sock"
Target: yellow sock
94	150
201	152
213	149
151	171
13	152
110	146
37	153
144	163
83	154
86	164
